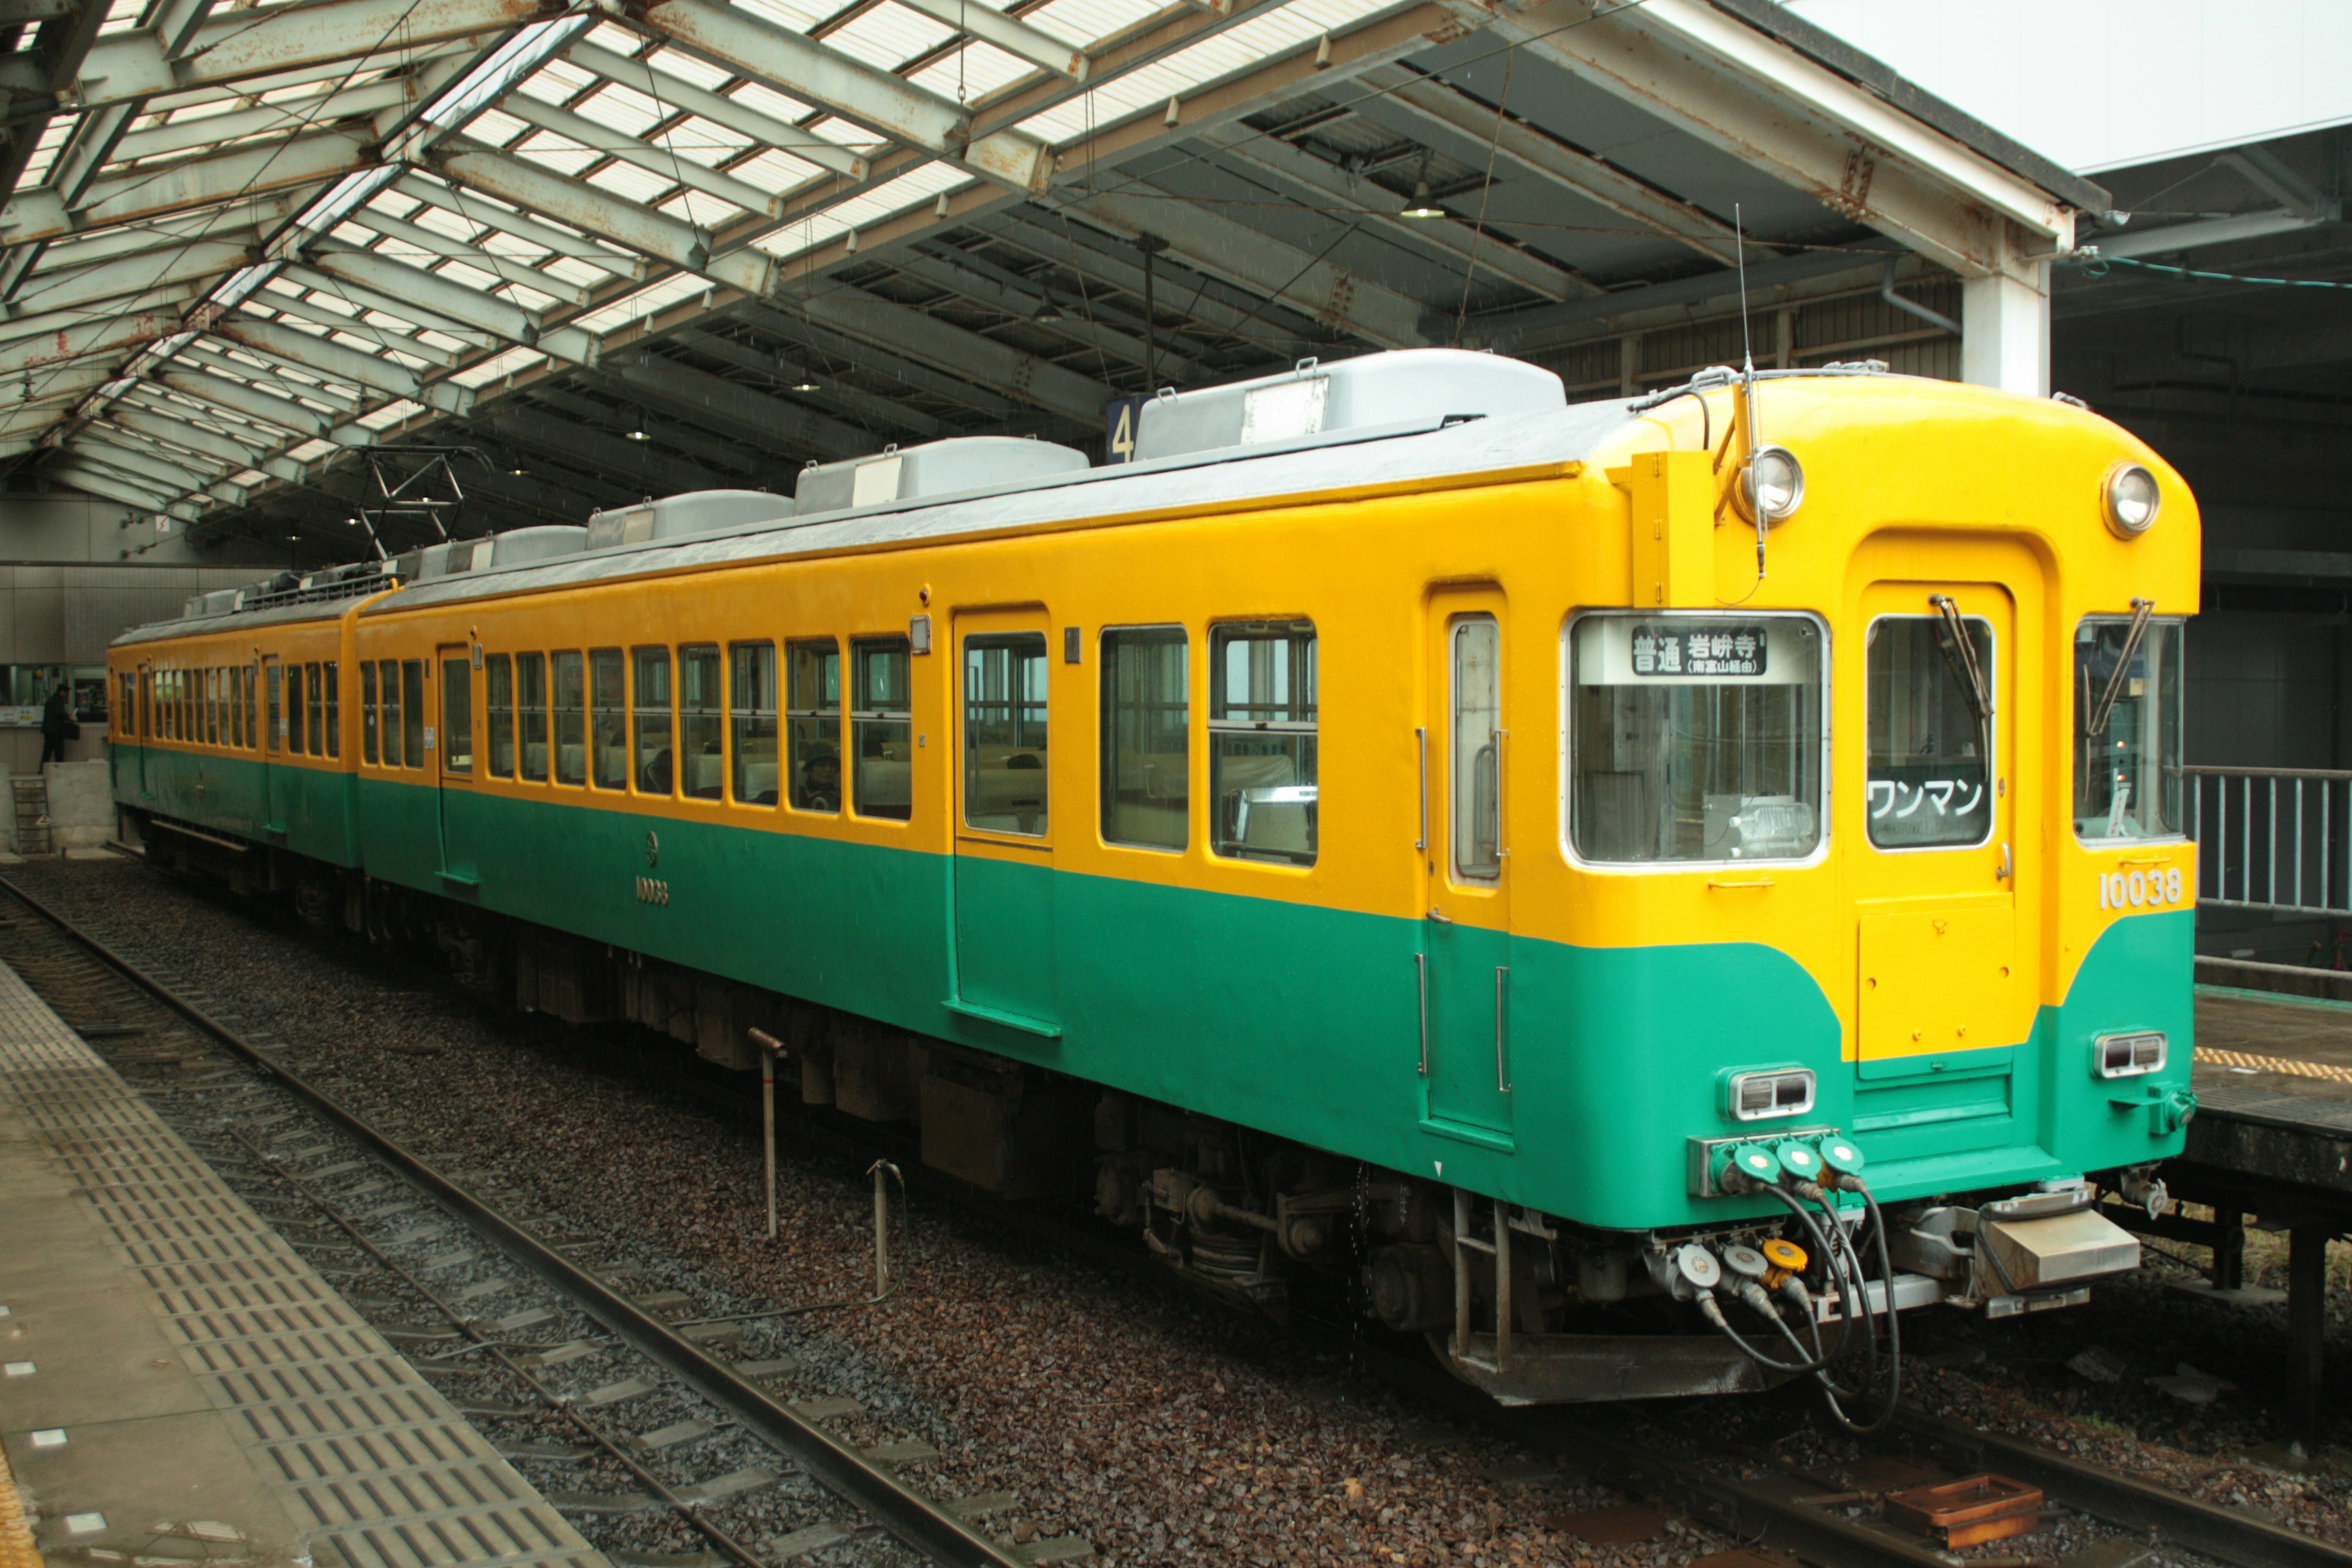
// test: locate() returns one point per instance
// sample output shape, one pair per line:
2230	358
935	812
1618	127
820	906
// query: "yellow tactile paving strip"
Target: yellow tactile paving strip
17	1549
2333	1073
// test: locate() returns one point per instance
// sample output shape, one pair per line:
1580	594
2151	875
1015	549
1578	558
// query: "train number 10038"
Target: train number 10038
2142	889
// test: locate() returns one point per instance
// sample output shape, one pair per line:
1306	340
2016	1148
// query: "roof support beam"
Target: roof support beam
441	246
287	117
237	221
1015	38
1432	112
1032	380
136	194
62	344
265	407
1294	170
801	67
1210	302
737	408
650	473
138	64
1760	101
865	356
522	225
718	108
87	446
218	359
356	326
350	366
142	421
890	412
1209	242
455	301
656	160
382	303
972	279
100	482
83	286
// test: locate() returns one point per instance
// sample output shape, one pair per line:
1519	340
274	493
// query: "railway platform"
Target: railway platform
2271	1144
176	1383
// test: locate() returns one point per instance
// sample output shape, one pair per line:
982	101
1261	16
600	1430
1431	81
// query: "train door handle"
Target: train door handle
2006	870
1421	975
1502	1017
1441	917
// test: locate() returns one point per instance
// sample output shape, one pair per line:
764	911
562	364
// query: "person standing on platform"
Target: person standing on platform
58	725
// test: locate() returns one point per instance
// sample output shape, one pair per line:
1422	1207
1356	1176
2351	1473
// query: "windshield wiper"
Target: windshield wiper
2105	708
1968	670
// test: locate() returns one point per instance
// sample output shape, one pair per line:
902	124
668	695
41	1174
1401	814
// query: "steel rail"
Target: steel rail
1785	1511
914	1519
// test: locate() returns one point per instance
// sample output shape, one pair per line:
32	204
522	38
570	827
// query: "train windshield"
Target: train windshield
1930	777
1696	738
2128	700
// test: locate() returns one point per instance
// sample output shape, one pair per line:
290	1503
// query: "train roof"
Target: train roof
1431	445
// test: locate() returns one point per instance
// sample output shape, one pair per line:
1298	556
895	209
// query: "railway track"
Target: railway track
1825	1514
578	1371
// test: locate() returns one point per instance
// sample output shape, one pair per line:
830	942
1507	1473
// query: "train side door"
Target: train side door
274	784
1466	954
143	721
455	732
1005	896
1945	960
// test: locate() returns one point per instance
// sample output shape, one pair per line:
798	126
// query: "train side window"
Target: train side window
147	704
1927	745
276	681
751	708
236	729
126	705
1477	749
252	714
316	707
368	754
498	696
1264	791
411	712
881	729
656	760
293	709
457	715
391	713
608	705
212	707
814	672
701	724
530	705
1147	722
218	706
571	720
334	725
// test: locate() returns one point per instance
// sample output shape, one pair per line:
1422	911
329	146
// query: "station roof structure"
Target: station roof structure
254	258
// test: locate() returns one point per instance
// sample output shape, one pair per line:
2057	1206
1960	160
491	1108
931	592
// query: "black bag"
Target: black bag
73	730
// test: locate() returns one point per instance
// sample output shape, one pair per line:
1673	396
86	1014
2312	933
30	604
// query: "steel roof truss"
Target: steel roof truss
350	366
521	226
446	246
84	286
658	161
356	326
720	109
221	361
143	193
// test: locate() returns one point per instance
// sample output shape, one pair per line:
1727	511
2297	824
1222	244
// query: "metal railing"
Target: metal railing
2273	838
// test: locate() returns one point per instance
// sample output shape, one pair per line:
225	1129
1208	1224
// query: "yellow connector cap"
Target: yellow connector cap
1785	1258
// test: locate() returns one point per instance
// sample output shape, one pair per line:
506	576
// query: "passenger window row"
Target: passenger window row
691	722
206	707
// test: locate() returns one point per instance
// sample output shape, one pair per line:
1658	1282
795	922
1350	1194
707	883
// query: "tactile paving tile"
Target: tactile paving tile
368	1453
2291	1065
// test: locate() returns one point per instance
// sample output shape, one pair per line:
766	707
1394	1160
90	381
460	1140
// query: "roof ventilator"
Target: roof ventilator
1403	392
934	468
682	516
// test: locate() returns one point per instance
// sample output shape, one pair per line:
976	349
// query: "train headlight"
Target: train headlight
2128	1056
2130	499
1773	487
1762	1096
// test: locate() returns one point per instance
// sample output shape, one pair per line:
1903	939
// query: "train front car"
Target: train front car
1866	967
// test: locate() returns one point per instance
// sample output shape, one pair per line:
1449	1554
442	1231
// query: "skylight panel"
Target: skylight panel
978	67
703	211
570	269
624	109
497	365
557	81
391	414
770	103
703	142
471	276
1084	21
613	36
791	13
888	36
776	171
495	127
642	302
628	180
557	153
686	69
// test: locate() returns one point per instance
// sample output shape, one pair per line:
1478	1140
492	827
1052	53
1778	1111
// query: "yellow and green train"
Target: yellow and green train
1753	895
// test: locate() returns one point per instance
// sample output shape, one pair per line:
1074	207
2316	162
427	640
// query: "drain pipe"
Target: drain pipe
1912	307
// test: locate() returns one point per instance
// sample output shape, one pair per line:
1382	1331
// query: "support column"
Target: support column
2307	1326
2228	1249
2005	329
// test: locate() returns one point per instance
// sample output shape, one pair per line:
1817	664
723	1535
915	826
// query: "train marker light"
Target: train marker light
1762	1096
2128	1056
2130	501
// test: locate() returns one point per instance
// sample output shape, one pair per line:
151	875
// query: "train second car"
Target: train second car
1750	898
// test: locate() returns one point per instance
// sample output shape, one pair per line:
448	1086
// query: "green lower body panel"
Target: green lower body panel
308	810
1566	1079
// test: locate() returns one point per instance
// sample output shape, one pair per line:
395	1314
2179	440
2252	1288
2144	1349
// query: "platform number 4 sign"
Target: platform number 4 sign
1122	418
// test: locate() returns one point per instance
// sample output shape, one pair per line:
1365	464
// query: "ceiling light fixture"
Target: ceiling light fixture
805	386
1421	205
1046	310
